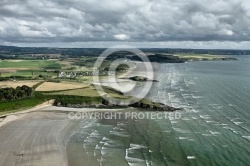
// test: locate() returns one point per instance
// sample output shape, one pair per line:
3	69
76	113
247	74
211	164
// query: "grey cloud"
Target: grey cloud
47	21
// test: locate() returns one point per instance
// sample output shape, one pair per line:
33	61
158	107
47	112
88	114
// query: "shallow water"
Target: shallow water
214	129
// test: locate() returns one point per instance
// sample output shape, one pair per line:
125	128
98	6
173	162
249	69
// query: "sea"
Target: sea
213	128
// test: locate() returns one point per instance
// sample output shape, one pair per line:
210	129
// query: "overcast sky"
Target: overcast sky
141	23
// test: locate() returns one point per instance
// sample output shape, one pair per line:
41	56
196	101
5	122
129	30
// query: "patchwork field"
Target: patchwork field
52	86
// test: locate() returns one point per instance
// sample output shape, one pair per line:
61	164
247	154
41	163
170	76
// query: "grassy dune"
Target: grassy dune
19	105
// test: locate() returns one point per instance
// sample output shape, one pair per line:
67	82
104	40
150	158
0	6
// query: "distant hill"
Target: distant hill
12	50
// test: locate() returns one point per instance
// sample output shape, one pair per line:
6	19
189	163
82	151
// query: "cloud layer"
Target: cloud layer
47	21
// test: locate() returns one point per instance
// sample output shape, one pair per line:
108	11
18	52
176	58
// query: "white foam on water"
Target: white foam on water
191	157
102	142
210	121
135	161
186	119
215	132
97	147
137	146
107	145
95	135
120	134
105	151
195	111
227	127
236	132
189	110
180	130
174	121
238	123
207	135
167	131
247	137
217	107
121	124
222	124
198	97
106	139
88	140
205	117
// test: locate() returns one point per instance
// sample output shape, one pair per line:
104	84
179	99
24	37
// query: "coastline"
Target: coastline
50	153
6	118
41	135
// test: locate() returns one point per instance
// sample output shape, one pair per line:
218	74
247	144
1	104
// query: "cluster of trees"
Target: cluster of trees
10	94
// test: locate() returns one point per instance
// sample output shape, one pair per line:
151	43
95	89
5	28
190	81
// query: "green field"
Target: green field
29	73
30	64
14	106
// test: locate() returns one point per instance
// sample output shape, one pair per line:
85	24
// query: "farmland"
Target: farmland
29	64
53	86
67	74
43	76
202	57
14	84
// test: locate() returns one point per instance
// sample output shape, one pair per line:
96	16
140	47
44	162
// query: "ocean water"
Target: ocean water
214	128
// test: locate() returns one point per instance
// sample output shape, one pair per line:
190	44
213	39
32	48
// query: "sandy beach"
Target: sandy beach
37	136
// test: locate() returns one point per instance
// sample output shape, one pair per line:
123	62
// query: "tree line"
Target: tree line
11	94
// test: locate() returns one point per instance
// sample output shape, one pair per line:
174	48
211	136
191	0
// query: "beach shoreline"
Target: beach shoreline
41	135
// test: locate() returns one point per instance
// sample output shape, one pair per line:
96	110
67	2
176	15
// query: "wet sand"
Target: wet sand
38	137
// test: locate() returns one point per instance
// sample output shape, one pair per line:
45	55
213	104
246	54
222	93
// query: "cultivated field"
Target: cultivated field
52	86
199	56
28	64
15	84
87	91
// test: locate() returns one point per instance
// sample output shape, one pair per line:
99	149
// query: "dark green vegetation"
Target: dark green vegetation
152	106
77	101
31	64
162	55
141	79
14	105
12	100
160	58
11	94
17	52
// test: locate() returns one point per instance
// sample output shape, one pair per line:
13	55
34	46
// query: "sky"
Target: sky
140	23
